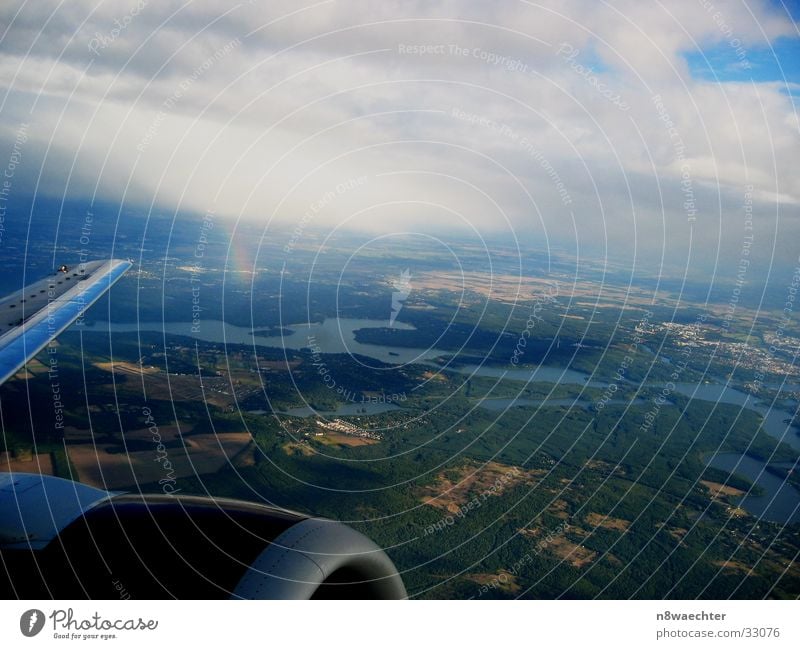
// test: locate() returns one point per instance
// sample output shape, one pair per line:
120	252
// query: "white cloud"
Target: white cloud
313	96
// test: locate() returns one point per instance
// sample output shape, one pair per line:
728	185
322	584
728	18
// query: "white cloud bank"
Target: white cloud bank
573	121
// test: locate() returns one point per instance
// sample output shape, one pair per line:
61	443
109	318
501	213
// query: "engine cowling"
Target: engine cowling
66	540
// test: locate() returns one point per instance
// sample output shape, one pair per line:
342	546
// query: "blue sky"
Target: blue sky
724	62
731	59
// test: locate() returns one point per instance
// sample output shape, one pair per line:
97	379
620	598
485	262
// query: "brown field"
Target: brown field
247	456
502	579
604	468
559	509
533	532
732	566
576	555
97	466
297	448
511	288
678	533
26	463
122	367
599	520
345	440
214	390
473	480
504	288
435	376
719	490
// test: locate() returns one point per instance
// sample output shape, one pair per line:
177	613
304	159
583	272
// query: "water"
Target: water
541	373
333	336
337	336
345	409
501	404
715	393
663	357
783	387
774	423
780	502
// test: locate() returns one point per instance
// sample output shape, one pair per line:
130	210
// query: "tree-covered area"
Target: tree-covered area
610	493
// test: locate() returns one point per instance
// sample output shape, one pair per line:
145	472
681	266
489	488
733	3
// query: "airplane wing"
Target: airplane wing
32	317
158	545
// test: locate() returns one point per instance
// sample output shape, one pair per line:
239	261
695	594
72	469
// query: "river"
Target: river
780	502
337	336
333	336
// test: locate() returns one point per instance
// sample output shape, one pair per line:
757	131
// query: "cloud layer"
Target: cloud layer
579	122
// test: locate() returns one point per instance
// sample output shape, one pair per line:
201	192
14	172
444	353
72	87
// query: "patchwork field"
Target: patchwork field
109	466
454	488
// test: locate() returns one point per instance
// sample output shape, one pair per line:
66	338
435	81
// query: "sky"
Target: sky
657	130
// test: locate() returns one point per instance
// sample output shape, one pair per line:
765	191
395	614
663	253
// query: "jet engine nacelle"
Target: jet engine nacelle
65	540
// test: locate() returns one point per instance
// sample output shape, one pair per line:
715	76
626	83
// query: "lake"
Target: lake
337	336
543	373
344	409
333	336
780	502
504	403
774	423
